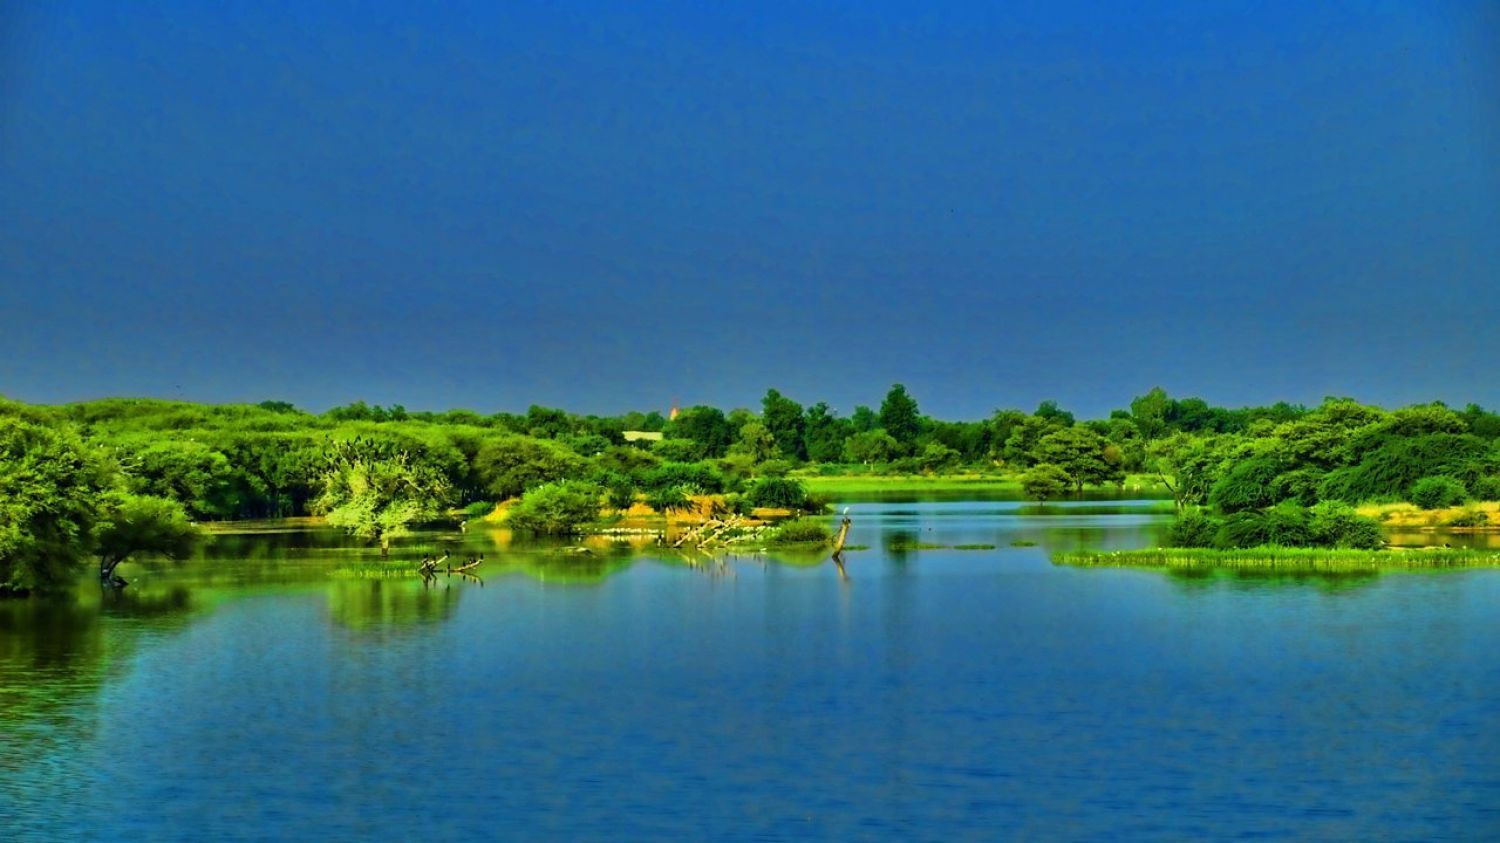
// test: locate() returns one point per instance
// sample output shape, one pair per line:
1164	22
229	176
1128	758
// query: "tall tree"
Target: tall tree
705	426
1051	412
824	434
783	418
899	416
1149	412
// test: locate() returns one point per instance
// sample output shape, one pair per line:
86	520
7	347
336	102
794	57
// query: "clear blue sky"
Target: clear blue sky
605	206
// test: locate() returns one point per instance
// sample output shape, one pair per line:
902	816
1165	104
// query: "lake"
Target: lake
936	694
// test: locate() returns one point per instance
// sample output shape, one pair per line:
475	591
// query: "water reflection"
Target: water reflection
364	605
1206	581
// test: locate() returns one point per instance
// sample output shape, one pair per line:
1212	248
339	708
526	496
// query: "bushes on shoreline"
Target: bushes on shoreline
1330	524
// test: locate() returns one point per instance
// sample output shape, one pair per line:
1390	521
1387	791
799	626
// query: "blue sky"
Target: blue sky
606	206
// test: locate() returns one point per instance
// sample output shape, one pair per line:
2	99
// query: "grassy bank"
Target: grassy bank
1479	516
1284	559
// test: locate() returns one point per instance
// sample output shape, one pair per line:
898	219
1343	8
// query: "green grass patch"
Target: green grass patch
901	544
973	547
1023	543
1284	559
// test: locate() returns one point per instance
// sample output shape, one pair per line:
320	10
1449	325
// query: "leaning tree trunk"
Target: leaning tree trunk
107	576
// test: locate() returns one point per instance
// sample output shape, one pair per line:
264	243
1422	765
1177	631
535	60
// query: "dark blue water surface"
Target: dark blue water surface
936	694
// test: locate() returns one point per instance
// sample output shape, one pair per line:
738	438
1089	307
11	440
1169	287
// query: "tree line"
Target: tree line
273	460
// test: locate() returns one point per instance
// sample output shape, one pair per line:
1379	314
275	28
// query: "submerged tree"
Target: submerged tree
1045	482
376	493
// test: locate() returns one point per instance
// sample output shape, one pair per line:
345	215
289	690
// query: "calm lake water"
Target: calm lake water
936	694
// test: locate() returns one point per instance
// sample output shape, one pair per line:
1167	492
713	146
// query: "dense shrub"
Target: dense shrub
1469	518
1250	484
1437	492
511	465
1299	486
478	509
1335	524
620	490
775	468
1328	524
801	531
738	504
677	450
935	456
779	492
1282	526
1486	488
670	499
1390	470
700	478
1192	529
556	508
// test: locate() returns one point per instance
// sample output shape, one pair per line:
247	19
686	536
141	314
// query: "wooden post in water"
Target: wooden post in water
838	541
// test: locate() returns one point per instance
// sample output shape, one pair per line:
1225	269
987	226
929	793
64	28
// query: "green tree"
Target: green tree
935	456
1049	411
1025	436
824	434
131	525
190	472
1438	492
1149	412
755	442
510	465
376	493
1045	482
783	418
872	446
669	499
1186	465
51	484
556	508
705	426
899	416
1083	455
777	492
1250	484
